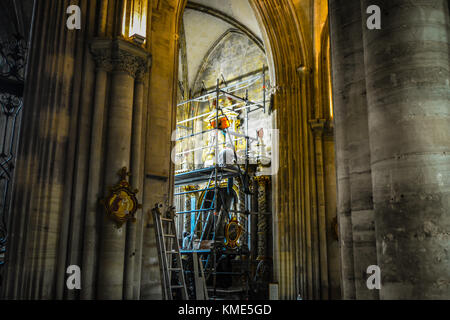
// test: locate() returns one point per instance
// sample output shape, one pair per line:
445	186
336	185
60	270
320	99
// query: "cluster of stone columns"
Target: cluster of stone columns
85	110
352	148
122	150
392	147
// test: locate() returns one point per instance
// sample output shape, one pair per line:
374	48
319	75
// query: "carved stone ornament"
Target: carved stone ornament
120	55
121	204
124	61
102	59
262	180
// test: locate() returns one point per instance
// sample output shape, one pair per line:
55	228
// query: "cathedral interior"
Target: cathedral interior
224	150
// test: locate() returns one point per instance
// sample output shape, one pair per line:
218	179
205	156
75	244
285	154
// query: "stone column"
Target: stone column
407	74
187	216
127	59
340	38
102	58
353	94
262	225
187	207
44	173
243	218
264	265
136	180
318	126
253	220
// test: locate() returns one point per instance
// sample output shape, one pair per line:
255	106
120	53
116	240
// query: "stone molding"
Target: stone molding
318	126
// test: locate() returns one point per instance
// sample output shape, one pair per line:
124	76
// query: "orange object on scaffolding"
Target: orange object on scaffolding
224	123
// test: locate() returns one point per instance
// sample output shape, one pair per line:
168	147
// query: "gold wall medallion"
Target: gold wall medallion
233	232
121	204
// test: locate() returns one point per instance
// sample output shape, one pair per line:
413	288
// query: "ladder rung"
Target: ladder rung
177	286
175	269
166	219
229	273
169	235
172	252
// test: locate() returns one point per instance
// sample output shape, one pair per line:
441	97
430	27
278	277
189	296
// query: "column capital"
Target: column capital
101	52
318	126
121	56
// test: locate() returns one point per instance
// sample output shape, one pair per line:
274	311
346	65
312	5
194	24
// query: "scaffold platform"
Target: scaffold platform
203	175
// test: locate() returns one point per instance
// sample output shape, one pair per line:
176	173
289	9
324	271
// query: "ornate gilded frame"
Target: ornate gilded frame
121	203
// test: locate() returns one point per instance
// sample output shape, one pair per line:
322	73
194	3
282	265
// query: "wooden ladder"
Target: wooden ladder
168	248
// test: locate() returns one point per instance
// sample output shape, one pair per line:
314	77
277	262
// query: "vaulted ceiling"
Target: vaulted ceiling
205	21
240	10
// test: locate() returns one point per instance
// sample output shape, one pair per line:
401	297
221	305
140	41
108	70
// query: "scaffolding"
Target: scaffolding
214	208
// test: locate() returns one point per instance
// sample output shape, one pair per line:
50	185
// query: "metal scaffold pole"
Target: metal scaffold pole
264	88
216	187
